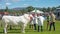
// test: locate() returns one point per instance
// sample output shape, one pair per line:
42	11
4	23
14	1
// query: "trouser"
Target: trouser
39	28
52	24
34	26
47	25
31	26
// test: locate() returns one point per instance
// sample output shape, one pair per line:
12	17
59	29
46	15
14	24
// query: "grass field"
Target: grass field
16	30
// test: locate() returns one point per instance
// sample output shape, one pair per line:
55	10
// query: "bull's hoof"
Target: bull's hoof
5	33
23	32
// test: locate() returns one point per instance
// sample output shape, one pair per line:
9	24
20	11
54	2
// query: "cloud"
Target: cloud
15	0
26	4
8	3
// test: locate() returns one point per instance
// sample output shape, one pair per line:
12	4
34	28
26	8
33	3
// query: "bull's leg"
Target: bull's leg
5	28
23	28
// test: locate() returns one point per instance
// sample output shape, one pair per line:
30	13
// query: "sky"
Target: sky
25	3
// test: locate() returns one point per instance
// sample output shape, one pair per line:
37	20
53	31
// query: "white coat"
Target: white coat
40	20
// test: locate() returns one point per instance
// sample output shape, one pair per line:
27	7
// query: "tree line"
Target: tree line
28	9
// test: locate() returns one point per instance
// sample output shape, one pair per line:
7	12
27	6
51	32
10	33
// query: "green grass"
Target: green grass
16	30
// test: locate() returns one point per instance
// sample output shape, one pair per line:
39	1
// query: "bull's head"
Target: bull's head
28	16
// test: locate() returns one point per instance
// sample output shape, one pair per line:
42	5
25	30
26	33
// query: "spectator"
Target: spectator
34	21
48	19
52	21
40	21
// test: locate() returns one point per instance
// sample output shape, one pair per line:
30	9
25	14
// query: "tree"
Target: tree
29	8
48	9
58	7
44	9
6	10
53	8
22	11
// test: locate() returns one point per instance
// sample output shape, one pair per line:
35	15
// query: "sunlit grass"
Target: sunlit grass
16	29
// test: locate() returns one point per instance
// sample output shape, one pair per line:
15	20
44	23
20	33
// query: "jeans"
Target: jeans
34	26
39	28
52	24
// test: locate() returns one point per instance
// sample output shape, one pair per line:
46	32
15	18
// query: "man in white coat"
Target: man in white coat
34	21
40	19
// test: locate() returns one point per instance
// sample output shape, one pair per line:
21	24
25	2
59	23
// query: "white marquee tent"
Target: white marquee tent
37	11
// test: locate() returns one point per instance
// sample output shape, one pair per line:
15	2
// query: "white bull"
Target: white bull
16	20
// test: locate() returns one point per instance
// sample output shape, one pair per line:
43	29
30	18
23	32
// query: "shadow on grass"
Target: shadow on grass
14	32
1	32
17	30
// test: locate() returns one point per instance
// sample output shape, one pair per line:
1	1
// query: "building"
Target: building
57	12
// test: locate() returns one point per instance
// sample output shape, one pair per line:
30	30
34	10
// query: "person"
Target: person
34	21
31	23
40	21
48	20
52	21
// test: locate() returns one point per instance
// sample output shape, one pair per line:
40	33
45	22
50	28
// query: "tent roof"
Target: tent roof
37	11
